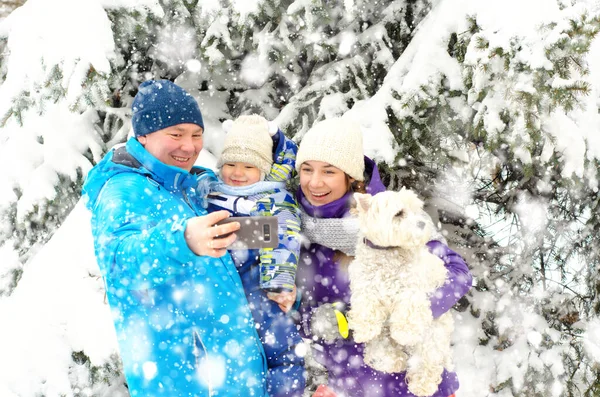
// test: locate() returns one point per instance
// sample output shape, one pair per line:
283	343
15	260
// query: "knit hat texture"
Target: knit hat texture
337	142
160	104
248	141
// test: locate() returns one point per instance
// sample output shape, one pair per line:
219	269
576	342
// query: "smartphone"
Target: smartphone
255	232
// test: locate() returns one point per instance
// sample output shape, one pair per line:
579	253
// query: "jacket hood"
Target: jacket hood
133	157
374	183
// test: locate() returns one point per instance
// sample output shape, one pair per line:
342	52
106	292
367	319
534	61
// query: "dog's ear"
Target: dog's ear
411	200
363	201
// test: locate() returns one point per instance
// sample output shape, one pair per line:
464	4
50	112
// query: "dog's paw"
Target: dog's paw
385	356
386	364
422	384
363	331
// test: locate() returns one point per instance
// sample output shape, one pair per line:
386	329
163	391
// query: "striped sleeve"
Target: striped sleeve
278	266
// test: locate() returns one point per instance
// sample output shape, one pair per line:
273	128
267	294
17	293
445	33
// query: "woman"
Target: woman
331	166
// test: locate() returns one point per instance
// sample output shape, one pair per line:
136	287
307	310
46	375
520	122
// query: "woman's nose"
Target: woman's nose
315	181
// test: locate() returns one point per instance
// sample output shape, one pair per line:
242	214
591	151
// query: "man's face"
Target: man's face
178	145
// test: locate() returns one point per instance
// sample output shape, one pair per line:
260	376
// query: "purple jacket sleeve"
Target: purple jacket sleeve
458	283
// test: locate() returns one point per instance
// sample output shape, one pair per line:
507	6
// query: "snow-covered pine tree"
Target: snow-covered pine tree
56	90
500	111
9	6
44	169
540	190
481	128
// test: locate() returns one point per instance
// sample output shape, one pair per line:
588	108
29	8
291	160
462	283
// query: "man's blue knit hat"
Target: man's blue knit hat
160	104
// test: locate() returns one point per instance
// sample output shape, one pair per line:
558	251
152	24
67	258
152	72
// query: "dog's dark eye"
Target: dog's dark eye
399	214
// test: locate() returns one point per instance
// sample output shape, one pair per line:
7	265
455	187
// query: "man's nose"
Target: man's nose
187	144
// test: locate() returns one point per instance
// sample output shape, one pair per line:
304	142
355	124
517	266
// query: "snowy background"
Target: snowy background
488	108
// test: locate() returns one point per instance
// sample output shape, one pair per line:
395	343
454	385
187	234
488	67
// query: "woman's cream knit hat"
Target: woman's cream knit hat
335	141
248	140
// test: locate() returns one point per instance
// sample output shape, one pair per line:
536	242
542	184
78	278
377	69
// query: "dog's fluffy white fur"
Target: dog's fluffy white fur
391	285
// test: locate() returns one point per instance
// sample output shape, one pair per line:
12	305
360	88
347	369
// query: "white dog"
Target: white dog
391	279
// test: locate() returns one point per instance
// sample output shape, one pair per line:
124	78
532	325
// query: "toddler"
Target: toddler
255	164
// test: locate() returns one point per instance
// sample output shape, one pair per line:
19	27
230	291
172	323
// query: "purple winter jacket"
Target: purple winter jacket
321	280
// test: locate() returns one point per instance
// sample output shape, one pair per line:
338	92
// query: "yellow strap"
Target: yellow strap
342	323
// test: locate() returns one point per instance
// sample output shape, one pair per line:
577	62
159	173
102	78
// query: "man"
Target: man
182	319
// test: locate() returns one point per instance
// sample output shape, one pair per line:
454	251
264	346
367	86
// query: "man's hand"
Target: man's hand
202	236
285	299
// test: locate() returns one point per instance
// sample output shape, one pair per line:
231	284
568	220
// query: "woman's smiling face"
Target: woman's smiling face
322	183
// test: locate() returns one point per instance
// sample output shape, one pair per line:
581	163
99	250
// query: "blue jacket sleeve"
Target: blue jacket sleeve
458	282
134	249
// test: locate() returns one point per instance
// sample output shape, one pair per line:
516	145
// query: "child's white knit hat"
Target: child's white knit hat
335	141
248	141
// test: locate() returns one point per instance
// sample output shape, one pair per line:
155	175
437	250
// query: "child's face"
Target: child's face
239	174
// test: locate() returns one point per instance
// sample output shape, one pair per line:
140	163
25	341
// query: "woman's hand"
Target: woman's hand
204	237
285	300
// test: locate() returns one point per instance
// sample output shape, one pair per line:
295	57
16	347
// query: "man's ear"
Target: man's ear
142	139
363	201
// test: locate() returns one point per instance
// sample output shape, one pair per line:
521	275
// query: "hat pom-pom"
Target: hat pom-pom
273	128
227	124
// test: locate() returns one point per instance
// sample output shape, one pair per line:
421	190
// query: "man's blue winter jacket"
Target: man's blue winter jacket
182	320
